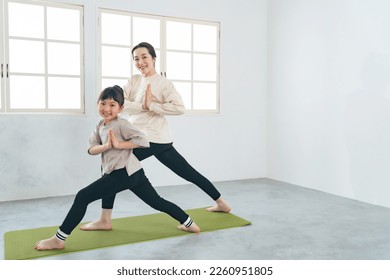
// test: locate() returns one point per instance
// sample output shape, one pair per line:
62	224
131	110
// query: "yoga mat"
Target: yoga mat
19	244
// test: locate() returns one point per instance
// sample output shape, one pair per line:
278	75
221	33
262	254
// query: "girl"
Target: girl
115	139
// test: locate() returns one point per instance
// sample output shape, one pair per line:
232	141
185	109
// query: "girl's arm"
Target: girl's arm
95	143
98	149
121	145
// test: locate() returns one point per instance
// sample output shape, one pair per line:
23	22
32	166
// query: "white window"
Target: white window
42	57
187	54
2	61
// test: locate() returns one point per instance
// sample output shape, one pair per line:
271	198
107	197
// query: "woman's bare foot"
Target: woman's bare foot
50	244
97	225
221	206
103	223
192	228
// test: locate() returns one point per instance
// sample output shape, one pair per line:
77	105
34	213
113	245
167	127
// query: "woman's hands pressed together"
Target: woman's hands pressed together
148	98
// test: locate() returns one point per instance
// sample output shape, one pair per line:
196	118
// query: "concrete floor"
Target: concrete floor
288	223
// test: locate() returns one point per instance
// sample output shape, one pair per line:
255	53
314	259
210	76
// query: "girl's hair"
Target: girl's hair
146	45
115	92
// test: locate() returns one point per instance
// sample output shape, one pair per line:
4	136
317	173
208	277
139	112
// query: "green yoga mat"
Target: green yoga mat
19	244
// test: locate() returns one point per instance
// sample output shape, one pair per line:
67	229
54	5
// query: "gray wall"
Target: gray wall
45	155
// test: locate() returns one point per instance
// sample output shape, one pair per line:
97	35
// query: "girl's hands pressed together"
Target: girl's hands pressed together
121	145
113	140
108	144
95	150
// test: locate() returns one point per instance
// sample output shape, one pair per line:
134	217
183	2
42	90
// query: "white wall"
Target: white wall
328	99
45	155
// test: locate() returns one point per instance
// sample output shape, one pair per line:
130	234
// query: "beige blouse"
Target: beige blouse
167	102
114	159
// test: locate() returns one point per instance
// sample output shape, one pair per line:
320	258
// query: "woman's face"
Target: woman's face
144	62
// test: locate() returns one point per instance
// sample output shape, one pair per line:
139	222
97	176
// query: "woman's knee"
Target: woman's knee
82	196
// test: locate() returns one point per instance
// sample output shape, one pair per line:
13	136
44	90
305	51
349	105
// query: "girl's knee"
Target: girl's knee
158	204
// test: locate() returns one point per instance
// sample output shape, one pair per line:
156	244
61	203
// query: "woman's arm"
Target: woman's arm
172	105
131	107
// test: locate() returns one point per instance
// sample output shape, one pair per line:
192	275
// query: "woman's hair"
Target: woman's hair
115	92
146	45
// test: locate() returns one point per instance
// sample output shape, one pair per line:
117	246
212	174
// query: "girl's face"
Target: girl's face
144	62
109	109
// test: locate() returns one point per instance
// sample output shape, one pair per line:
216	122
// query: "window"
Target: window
187	54
42	57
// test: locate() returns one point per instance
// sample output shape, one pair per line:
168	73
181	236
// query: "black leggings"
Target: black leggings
168	156
111	184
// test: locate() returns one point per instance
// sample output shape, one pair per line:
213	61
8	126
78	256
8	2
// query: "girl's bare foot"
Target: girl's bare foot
221	206
192	228
97	225
50	244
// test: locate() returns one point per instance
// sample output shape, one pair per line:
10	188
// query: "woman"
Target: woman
149	97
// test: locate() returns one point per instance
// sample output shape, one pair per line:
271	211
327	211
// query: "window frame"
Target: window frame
6	82
2	62
162	49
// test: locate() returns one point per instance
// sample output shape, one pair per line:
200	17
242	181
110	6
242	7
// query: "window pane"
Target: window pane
146	30
112	82
205	67
184	89
158	61
63	24
178	66
27	92
26	20
116	62
178	36
110	23
63	58
26	56
64	93
205	38
205	96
